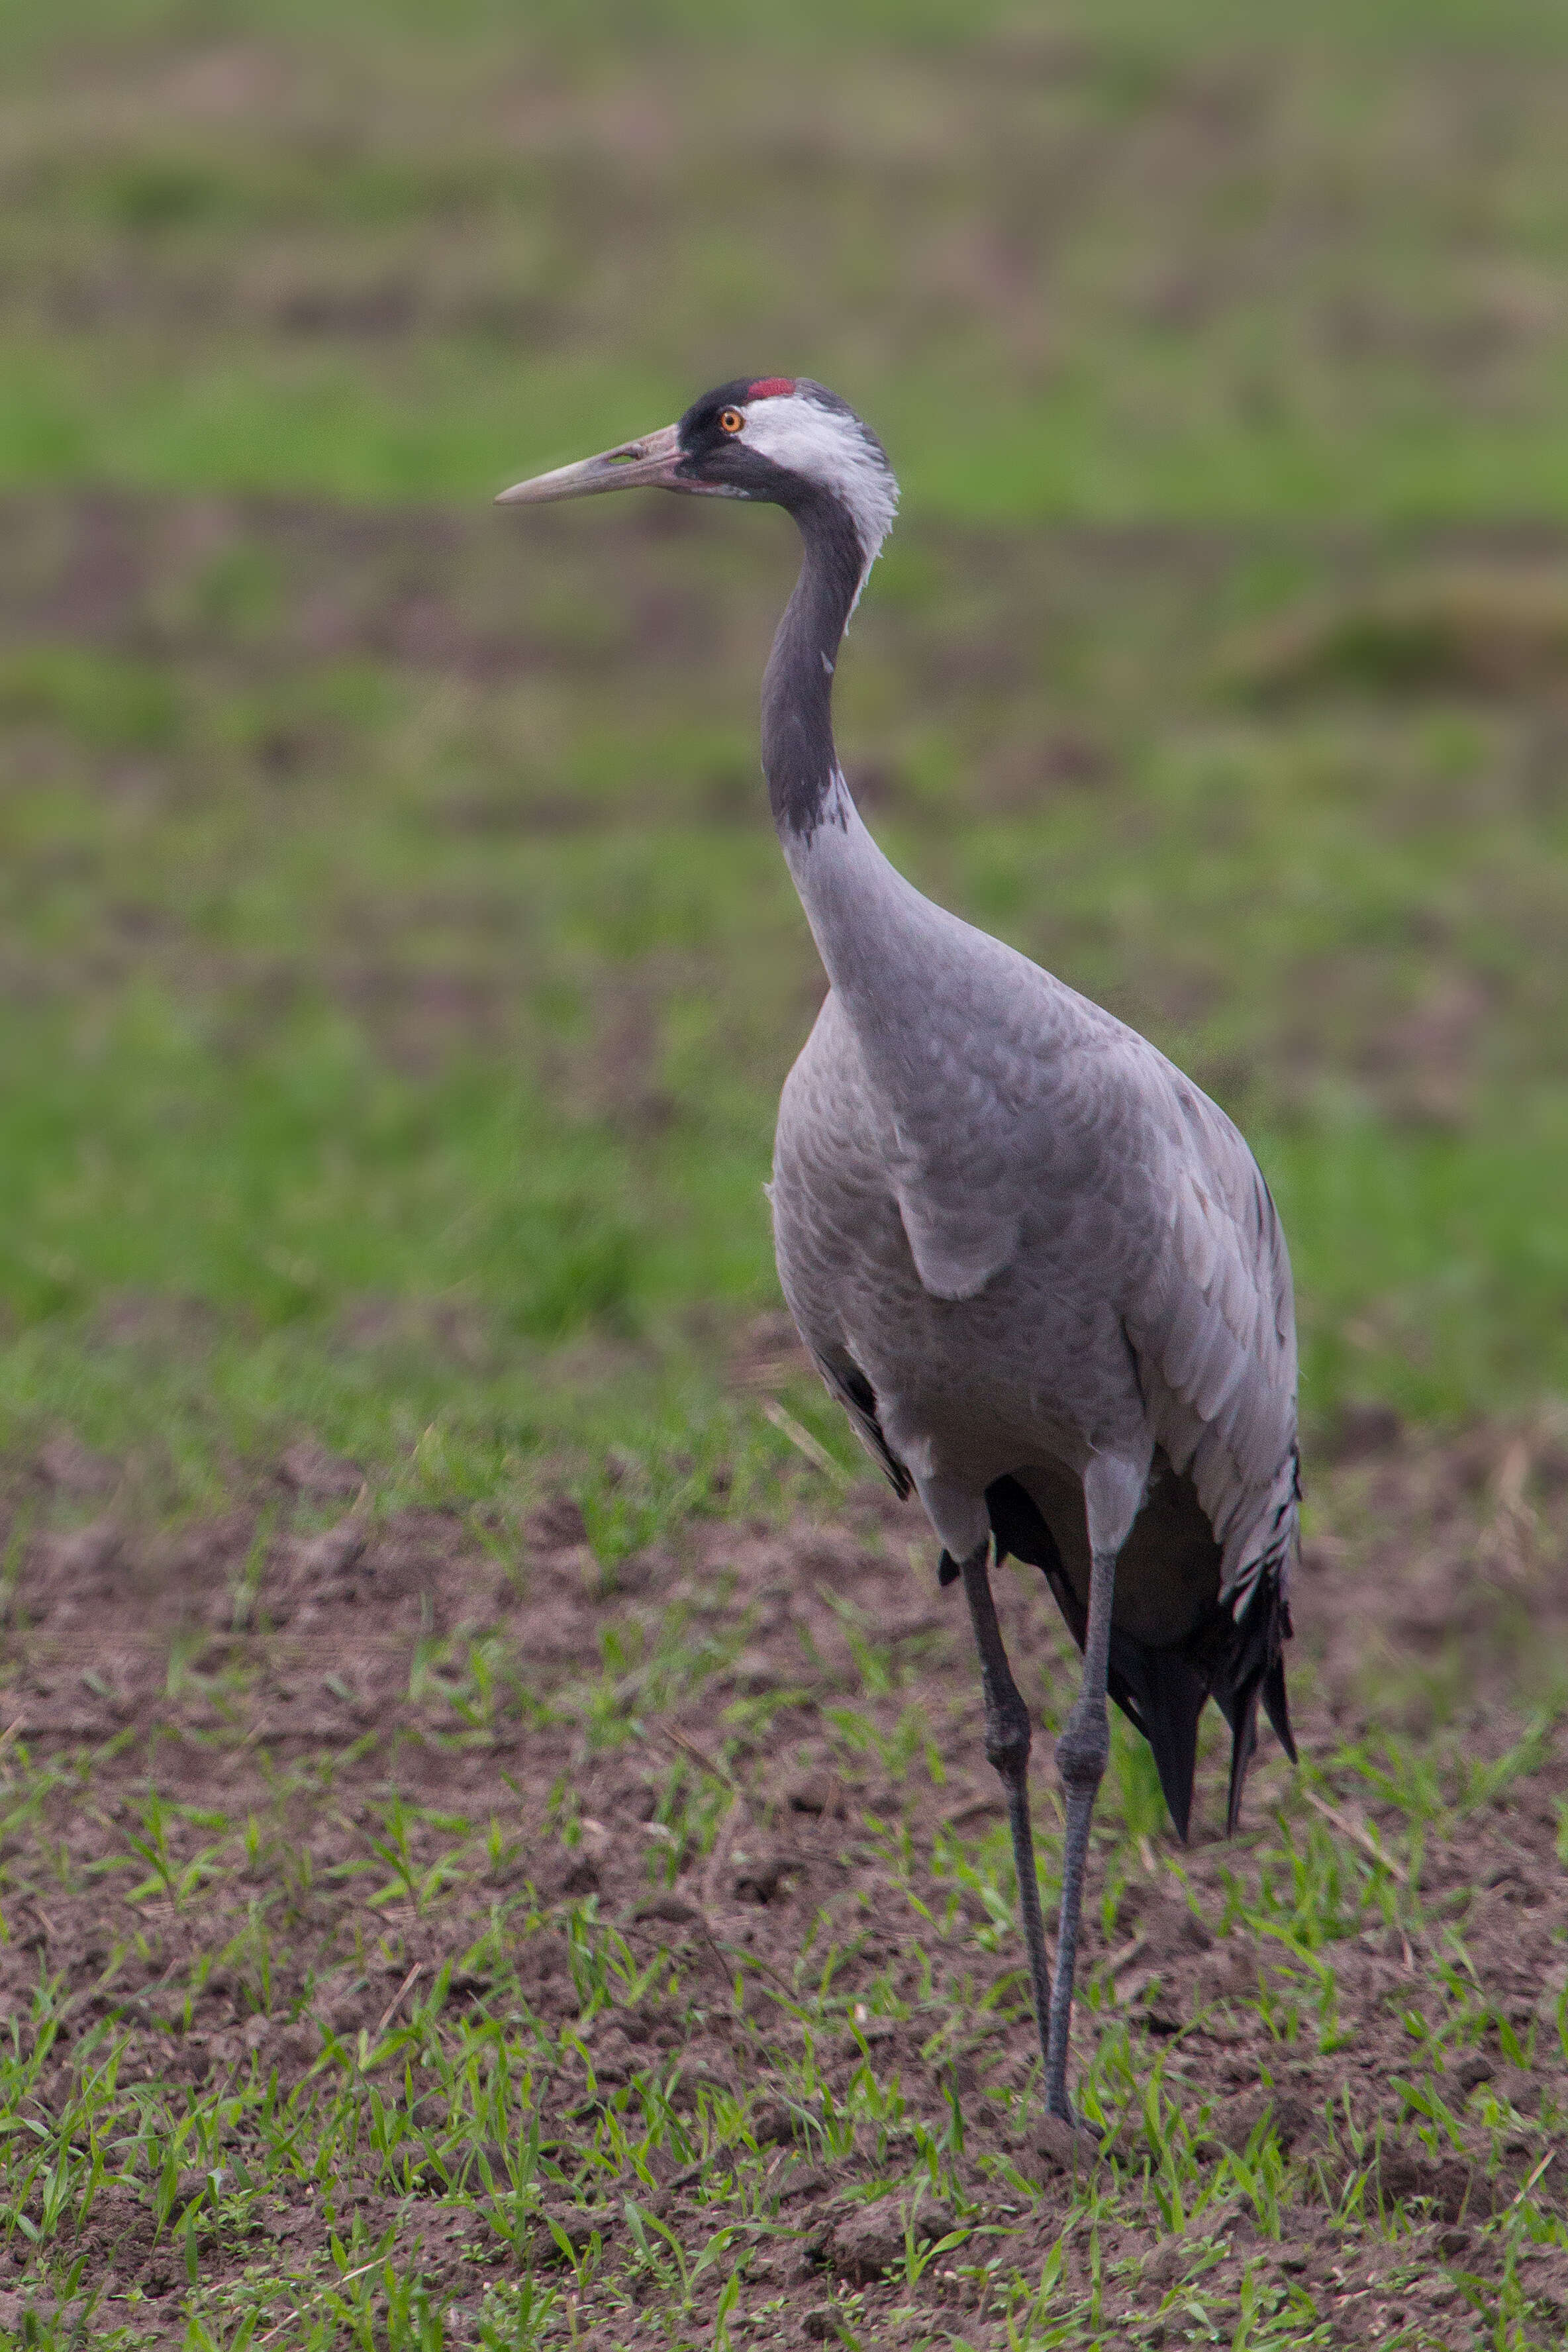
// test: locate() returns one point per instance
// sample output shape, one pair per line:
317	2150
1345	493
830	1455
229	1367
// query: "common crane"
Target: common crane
1038	1269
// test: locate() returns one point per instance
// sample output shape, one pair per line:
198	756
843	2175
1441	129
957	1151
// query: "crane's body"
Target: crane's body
1011	1326
1038	1267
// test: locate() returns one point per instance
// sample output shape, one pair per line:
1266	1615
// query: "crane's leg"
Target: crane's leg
1007	1748
1082	1752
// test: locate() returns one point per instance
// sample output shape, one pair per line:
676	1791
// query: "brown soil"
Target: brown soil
247	1656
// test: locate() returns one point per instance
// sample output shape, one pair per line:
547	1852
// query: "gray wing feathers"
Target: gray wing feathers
1067	1137
855	1393
955	1254
1213	1328
979	1118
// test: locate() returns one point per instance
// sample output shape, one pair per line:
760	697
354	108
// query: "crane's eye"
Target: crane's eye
730	420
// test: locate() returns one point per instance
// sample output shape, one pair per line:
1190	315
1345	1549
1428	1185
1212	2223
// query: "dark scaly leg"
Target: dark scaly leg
1082	1752
1007	1748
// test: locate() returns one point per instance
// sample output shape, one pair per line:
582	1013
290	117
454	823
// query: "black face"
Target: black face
714	455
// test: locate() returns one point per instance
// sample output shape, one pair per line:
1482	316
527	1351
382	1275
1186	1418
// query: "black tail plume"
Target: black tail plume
1277	1706
1162	1692
1171	1698
1240	1711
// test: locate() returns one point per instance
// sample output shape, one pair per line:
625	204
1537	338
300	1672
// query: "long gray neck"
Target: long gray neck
798	754
873	931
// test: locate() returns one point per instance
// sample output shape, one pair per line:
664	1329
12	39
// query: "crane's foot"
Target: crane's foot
1066	2129
1070	2119
1062	2146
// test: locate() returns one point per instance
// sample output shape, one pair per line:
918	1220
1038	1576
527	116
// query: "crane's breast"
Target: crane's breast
1026	1362
837	1233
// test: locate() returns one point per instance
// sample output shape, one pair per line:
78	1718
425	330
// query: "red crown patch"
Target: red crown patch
768	387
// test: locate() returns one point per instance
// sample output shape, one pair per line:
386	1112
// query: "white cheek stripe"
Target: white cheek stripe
827	446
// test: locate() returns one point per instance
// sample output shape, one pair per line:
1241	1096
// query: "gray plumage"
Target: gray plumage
1038	1267
1032	1240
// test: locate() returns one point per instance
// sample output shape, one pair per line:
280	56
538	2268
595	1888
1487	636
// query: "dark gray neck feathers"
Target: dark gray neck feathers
798	756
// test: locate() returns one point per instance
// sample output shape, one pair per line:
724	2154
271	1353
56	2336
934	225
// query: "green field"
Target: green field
393	897
399	969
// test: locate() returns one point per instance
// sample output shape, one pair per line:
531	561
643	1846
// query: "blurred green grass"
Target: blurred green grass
1148	261
402	971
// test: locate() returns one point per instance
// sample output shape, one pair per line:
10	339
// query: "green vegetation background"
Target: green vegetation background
400	970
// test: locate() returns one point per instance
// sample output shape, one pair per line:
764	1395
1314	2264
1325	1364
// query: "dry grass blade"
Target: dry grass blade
720	1855
974	1809
1121	1961
1534	2174
697	1755
1359	1833
801	1439
344	2278
395	2003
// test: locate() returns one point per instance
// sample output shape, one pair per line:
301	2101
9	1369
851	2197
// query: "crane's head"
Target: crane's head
779	439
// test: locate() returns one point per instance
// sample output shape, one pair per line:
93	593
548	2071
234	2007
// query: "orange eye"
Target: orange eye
730	420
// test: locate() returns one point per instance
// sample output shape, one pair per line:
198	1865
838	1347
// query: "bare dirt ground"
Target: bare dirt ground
293	1794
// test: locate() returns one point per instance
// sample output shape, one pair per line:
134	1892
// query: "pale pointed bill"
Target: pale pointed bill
648	462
